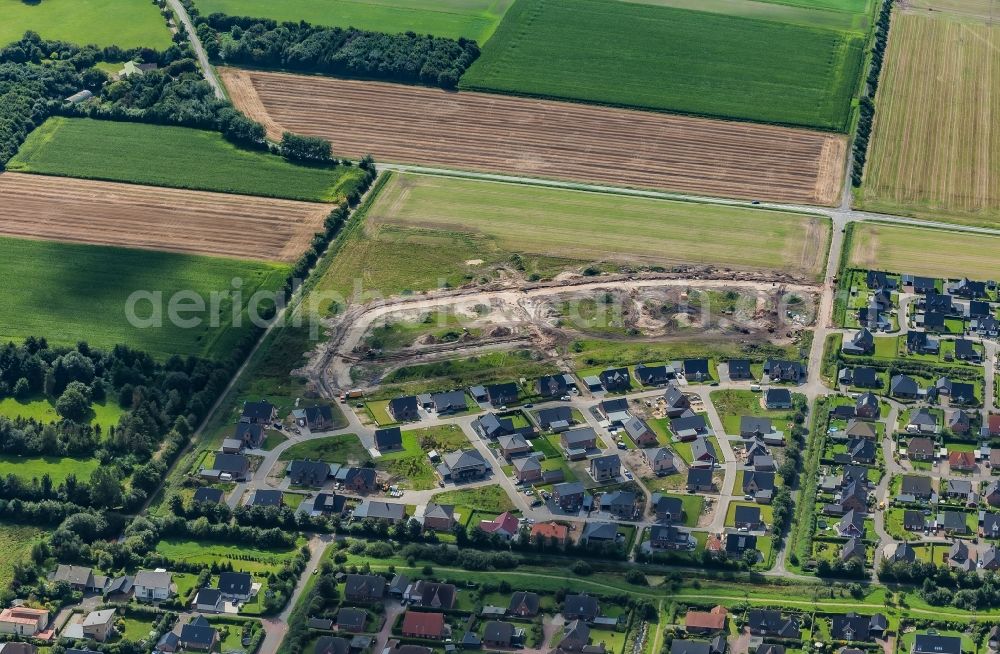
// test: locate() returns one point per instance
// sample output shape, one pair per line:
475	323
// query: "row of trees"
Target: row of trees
867	107
350	52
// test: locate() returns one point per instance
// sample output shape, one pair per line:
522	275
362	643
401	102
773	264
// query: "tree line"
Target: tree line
348	52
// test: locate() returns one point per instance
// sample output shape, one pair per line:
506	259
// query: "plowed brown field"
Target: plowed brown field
130	215
520	136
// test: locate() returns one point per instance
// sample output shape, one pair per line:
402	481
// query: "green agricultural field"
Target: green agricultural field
15	543
70	292
835	14
41	409
670	59
243	557
343	448
453	229
472	19
178	157
57	468
125	23
923	251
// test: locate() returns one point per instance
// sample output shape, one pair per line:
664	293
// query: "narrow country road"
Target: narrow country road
199	50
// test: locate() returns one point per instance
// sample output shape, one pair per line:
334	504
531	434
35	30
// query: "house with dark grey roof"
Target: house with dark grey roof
965	350
922	343
615	380
921	448
953	522
404	409
759	485
689	428
914	520
208	495
364	588
702	453
862	343
236	466
581	607
904	386
959	422
266	497
739	369
784	371
854	548
675	402
963	393
700	479
620	503
917	487
599	532
568	496
249	434
748	517
861	450
859	628
502	394
389	512
660	460
554	386
236	586
738	544
449	402
332	645
524	604
557	418
389	439
639	432
576	442
769	622
852	525
778	398
604	468
198	634
861	377
351	619
684	646
499	634
697	370
654	375
935	644
308	473
262	412
465	465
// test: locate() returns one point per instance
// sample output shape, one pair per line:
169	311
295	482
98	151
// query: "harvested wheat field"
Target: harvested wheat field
130	215
520	136
922	251
935	149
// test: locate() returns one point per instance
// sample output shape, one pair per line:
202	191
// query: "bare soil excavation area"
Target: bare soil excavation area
521	136
131	215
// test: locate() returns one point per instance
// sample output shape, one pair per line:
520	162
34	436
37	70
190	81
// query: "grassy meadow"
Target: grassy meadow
42	409
70	292
834	14
663	58
472	19
125	23
56	467
178	157
935	149
923	251
15	543
450	228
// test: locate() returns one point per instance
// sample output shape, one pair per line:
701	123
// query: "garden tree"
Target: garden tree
750	557
73	405
105	488
312	149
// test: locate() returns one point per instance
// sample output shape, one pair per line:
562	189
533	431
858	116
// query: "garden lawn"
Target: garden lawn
125	23
410	467
178	157
491	499
472	19
57	468
342	448
734	404
741	68
42	409
68	292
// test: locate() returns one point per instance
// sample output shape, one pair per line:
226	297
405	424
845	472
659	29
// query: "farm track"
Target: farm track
486	132
147	217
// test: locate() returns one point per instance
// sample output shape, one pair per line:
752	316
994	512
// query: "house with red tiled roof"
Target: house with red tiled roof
549	531
417	624
993	425
23	621
706	622
504	525
964	461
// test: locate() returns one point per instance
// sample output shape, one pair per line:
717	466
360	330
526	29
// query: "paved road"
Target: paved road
199	50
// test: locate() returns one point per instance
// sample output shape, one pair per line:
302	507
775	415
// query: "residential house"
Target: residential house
667	508
867	407
209	600
675	402
739	369
259	413
962	461
920	448
963	393
524	604
861	343
249	435
778	370
236	466
425	625
266	497
738	544
747	517
860	376
198	634
852	525
364	588
604	468
614	410
597	533
152	585
332	645
669	537
236	586
953	522
615	380
702	453
936	644
449	402
660	460
319	417
966	350
700	479
389	439
576	442
622	504
689	427
654	375
513	445
465	465
862	450
989	525
914	520
388	512
23	621
916	488
706	622
558	418
359	480
550	532
697	370
439	517
554	386
527	470
504	526
77	577
404	409
922	343
854	548
778	398
208	495
308	473
758	485
992	493
860	628
639	432
715	646
581	607
922	421
351	620
959	422
769	622
568	496
960	489
499	635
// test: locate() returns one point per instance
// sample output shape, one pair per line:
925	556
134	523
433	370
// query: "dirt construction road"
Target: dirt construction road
496	133
130	215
